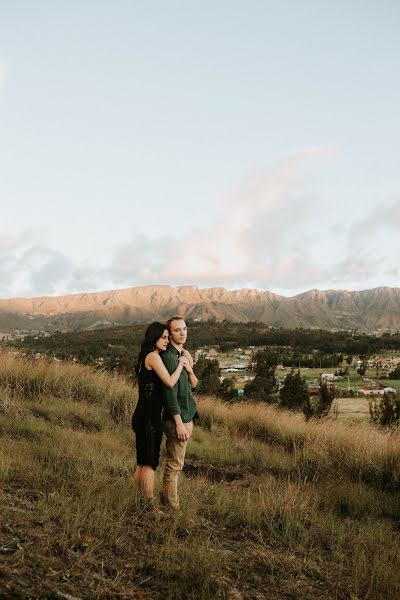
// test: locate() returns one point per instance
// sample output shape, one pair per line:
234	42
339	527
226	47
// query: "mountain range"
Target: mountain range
374	310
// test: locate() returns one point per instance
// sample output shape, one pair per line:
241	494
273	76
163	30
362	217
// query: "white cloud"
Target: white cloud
27	267
141	259
258	235
383	217
272	233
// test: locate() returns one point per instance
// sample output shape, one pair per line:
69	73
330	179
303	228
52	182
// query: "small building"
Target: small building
328	376
213	352
372	390
6	336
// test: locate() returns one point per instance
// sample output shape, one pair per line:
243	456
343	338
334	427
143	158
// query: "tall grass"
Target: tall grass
285	509
321	447
34	378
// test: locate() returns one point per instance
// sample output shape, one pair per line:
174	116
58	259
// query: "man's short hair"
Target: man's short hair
175	318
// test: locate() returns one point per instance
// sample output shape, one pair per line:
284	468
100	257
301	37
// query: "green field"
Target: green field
344	408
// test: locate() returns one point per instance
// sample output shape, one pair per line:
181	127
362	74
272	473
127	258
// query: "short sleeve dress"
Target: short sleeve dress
146	420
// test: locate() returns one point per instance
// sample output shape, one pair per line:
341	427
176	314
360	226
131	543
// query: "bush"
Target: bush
207	372
319	406
261	388
386	413
294	393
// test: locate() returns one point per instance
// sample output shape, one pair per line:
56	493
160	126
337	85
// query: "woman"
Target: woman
146	420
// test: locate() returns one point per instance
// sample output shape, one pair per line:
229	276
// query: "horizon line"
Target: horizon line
168	285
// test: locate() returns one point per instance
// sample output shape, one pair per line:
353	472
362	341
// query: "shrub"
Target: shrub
386	413
294	394
319	406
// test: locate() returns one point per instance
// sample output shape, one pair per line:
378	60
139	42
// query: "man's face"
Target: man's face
178	331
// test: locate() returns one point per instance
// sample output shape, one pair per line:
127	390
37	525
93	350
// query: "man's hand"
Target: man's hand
181	432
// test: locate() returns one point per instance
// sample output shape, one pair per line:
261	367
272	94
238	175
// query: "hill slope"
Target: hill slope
272	508
369	310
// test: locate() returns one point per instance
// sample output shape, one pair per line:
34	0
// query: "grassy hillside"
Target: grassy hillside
273	508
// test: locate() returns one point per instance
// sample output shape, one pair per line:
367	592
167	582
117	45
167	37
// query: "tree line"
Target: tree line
116	348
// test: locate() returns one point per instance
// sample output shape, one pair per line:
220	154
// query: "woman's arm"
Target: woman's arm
192	377
153	360
187	355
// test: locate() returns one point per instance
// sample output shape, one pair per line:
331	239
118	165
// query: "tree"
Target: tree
264	383
386	413
395	374
207	372
200	366
261	388
362	368
227	389
265	362
377	365
319	406
293	394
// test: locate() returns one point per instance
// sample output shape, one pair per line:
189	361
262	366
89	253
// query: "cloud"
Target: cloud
382	217
6	244
258	234
29	268
141	259
361	269
271	233
48	269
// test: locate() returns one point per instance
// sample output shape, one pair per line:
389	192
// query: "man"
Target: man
180	409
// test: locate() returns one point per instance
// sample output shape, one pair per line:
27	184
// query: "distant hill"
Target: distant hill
368	310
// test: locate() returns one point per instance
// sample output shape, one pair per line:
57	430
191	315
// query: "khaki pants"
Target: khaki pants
176	450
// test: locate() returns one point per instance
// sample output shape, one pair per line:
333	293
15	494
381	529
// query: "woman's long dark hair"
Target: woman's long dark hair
152	334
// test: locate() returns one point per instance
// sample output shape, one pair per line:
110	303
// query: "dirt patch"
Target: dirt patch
215	473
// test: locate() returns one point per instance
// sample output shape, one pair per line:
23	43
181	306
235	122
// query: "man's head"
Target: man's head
177	328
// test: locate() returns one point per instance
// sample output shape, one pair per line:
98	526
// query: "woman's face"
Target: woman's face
162	342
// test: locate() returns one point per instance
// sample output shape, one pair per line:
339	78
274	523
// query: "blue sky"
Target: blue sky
217	143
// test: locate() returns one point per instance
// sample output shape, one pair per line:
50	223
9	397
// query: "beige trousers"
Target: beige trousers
176	450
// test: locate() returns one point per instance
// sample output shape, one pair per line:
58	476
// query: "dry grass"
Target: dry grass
322	448
35	378
272	507
355	409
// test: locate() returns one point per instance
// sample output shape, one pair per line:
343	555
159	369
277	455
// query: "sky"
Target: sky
217	143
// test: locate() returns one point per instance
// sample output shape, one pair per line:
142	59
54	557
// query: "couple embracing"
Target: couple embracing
166	405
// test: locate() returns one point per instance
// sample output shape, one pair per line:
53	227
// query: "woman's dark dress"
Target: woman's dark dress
146	420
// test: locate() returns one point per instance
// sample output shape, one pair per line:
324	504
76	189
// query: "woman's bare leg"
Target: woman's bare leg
147	481
137	475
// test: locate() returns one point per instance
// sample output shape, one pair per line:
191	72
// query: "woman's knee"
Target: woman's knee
147	470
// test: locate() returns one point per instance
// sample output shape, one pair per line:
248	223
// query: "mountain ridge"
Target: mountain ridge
376	309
